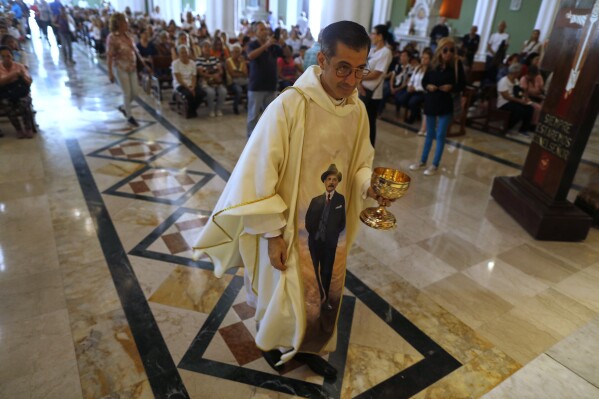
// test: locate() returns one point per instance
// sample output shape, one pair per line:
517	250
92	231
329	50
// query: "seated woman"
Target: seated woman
182	40
533	87
510	99
145	47
237	75
185	80
15	83
219	50
18	54
415	93
211	74
287	69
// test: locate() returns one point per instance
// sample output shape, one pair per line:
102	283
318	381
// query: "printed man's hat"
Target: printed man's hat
331	170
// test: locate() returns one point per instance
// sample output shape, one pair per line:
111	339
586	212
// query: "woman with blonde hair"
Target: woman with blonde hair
122	55
444	78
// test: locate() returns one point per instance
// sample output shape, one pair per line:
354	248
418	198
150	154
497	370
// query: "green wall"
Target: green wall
398	12
519	23
461	26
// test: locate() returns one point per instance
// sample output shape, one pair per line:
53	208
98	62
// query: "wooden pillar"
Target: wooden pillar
537	198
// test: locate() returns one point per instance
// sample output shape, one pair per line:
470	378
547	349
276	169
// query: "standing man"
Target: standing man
371	89
496	50
262	53
325	220
470	43
302	23
438	32
258	220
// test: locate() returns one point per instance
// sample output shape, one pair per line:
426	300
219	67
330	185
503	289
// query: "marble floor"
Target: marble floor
99	296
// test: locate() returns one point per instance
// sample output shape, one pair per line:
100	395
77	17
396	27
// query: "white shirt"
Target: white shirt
503	86
496	39
187	71
416	79
378	60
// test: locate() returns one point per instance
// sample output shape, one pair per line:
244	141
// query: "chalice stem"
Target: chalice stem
381	211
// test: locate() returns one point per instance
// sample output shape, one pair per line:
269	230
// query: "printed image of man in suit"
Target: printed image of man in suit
325	220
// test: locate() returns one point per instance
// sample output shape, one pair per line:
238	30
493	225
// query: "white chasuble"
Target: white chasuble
278	176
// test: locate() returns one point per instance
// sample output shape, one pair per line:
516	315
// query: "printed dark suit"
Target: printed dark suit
322	240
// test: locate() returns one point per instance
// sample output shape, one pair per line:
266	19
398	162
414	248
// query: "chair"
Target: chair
162	78
7	108
490	118
180	104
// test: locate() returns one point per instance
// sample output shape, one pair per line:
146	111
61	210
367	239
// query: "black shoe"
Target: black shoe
272	358
235	110
122	110
133	122
317	364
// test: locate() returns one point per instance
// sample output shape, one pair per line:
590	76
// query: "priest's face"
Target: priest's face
342	72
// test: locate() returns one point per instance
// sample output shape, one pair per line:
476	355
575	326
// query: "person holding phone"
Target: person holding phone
263	54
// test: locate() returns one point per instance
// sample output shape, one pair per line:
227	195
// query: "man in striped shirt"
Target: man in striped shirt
211	76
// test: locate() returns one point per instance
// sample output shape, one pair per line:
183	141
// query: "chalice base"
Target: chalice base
378	218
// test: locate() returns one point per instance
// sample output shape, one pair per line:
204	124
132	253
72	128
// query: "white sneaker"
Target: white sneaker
431	170
416	166
219	113
211	114
421	133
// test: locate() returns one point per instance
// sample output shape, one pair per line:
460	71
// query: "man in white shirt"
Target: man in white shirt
155	15
371	89
496	38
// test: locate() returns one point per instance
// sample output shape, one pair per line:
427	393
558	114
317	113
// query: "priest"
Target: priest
259	221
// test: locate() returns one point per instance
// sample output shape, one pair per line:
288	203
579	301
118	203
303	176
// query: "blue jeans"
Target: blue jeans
257	103
436	127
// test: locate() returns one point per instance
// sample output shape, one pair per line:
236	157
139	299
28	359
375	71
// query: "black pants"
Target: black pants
193	101
372	107
323	259
519	112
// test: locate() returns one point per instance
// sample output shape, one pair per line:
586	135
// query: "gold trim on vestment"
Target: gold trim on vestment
223	230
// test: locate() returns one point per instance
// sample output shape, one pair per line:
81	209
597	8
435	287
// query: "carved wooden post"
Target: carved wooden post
537	198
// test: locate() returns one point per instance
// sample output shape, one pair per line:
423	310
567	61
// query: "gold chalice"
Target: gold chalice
390	184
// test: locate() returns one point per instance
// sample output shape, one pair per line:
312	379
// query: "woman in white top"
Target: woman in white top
185	80
532	45
415	97
308	39
371	88
294	42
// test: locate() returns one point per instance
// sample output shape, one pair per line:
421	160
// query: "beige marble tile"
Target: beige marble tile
544	378
108	358
473	378
30	296
192	289
555	311
579	254
20	165
578	352
22	189
60	381
469	301
504	280
90	297
582	287
150	273
518	337
32	347
140	390
200	386
366	367
455	251
539	264
179	327
417	266
205	198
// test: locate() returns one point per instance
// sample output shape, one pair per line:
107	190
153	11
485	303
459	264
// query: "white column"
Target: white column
546	16
353	10
220	14
483	18
293	11
381	12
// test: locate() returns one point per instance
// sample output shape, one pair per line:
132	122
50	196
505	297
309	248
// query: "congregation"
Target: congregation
204	67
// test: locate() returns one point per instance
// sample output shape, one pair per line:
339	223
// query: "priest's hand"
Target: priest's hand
382	201
277	252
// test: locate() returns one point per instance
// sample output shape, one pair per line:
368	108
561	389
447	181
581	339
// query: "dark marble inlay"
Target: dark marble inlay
244	311
175	243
